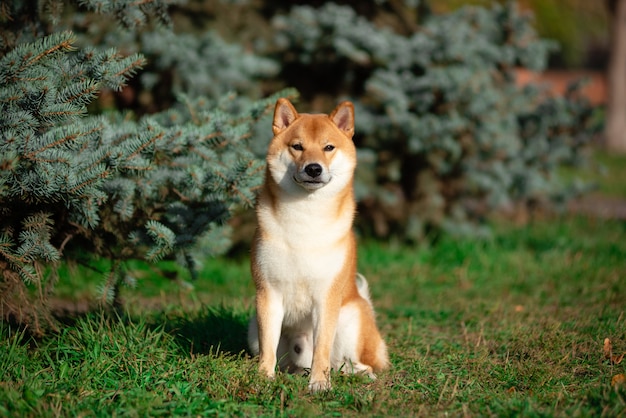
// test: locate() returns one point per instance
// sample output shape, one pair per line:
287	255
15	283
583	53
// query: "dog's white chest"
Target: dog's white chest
300	277
300	259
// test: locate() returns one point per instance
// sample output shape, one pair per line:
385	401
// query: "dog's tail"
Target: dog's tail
363	287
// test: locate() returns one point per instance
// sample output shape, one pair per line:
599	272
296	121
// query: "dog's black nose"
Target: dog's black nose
313	170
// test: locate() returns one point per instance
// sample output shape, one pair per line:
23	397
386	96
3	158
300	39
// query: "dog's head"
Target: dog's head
312	152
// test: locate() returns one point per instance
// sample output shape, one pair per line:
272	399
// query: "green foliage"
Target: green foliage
75	186
576	26
451	134
26	21
52	161
186	57
604	170
444	134
130	13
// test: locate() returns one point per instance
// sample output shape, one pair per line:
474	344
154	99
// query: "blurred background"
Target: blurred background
463	107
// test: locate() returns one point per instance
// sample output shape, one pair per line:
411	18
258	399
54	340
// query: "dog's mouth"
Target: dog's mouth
311	184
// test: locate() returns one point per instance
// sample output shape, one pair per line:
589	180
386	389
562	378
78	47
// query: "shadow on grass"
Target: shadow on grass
211	330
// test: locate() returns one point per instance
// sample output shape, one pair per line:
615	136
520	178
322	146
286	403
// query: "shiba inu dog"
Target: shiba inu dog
313	310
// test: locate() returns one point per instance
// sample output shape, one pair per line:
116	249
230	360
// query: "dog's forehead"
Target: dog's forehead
315	127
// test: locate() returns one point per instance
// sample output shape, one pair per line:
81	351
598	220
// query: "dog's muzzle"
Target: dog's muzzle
312	176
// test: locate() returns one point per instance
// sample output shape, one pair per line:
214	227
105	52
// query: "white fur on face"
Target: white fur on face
292	179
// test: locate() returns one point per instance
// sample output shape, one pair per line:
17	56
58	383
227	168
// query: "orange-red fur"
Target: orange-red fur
313	310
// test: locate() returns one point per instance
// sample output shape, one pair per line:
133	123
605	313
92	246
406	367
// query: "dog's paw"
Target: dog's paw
365	370
369	374
358	368
319	386
267	371
268	375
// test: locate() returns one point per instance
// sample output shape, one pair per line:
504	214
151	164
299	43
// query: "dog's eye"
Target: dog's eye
329	148
297	147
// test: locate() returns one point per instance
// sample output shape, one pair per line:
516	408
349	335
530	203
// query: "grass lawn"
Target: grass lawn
510	326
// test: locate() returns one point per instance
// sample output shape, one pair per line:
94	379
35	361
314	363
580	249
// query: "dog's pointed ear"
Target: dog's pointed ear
284	115
343	117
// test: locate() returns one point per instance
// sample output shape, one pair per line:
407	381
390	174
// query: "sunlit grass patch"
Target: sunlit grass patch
510	325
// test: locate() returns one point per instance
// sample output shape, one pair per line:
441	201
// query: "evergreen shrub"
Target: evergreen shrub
445	135
441	123
77	186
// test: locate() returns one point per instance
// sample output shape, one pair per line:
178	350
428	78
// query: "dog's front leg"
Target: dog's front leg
270	313
325	316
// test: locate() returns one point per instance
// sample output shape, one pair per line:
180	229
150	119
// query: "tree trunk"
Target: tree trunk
615	129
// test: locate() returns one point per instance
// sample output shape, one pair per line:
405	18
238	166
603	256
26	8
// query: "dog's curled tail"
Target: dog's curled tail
363	287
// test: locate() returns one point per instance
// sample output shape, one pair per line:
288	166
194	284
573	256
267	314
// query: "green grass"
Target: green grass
604	171
510	326
513	325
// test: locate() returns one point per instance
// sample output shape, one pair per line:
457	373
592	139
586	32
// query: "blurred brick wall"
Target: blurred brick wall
557	81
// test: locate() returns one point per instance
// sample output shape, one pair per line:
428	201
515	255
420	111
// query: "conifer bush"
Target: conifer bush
444	134
445	129
83	187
